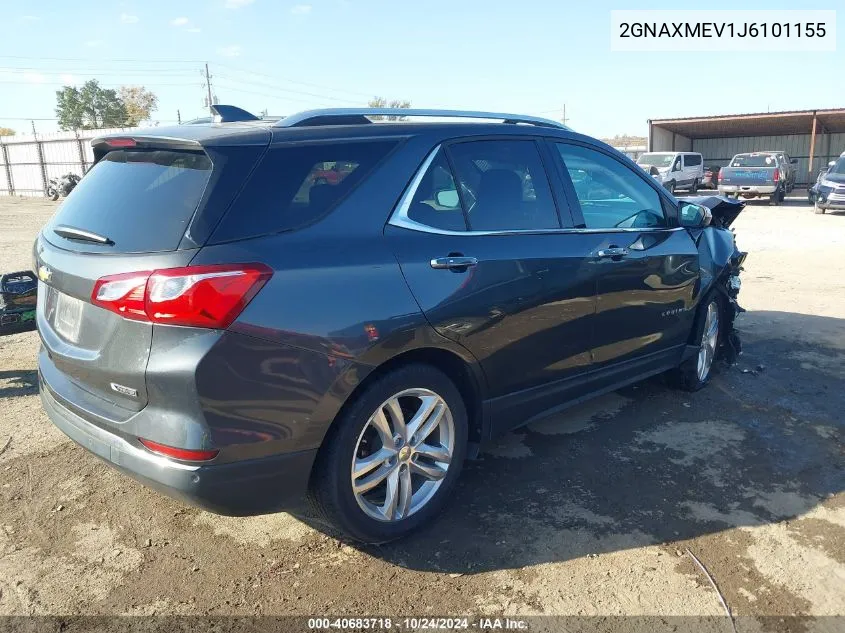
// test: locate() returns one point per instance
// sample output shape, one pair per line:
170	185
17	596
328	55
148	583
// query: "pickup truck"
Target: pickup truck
753	175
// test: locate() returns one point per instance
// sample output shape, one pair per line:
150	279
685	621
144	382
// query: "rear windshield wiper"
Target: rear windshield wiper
73	233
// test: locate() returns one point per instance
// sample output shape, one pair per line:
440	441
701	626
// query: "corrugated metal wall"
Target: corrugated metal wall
30	158
719	151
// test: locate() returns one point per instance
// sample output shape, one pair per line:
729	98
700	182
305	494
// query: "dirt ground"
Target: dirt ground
590	513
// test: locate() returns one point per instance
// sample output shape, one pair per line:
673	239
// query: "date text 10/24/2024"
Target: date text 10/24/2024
417	624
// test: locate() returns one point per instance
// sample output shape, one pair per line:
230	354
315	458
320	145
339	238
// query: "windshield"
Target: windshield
656	160
838	168
754	160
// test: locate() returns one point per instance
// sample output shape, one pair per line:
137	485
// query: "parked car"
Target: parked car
830	187
711	175
241	344
788	168
675	170
753	175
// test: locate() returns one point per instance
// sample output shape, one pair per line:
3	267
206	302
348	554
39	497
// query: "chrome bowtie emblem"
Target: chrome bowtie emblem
44	273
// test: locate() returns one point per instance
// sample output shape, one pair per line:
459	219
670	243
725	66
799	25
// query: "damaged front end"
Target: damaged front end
721	263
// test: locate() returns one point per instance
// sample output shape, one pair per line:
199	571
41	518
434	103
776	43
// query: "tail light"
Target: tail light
720	176
777	175
179	453
195	296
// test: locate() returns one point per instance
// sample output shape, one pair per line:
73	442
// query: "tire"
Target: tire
52	194
354	438
817	209
694	188
776	197
688	375
670	187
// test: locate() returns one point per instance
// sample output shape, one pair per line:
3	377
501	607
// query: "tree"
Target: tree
381	102
89	107
6	131
139	102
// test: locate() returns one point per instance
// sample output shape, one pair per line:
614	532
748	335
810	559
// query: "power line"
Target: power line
288	90
105	59
295	81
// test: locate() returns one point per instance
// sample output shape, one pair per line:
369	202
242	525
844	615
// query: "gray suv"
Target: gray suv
246	313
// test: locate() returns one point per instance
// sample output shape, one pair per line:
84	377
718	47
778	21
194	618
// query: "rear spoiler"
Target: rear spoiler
105	144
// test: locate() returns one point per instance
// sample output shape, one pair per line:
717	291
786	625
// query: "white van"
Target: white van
674	170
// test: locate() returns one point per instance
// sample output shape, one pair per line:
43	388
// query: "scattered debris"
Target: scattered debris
148	543
715	588
6	445
456	575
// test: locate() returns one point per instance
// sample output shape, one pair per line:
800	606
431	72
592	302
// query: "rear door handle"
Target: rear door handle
454	263
612	252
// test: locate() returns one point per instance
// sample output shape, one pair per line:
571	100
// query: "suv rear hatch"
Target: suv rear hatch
147	204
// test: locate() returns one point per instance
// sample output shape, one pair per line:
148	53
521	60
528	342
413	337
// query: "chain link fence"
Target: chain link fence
29	161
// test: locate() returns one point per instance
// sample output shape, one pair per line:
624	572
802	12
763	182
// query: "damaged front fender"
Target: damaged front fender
720	263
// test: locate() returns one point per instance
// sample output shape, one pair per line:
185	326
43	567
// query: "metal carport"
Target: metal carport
814	137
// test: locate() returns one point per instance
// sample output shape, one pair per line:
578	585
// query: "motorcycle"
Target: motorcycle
62	186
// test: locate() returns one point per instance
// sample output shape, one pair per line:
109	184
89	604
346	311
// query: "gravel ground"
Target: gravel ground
589	513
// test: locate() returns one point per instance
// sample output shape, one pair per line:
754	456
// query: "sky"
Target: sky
528	57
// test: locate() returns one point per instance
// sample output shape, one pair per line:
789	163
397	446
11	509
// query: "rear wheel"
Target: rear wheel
694	188
776	197
694	372
392	458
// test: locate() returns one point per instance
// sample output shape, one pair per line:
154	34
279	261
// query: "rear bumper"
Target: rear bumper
748	190
240	488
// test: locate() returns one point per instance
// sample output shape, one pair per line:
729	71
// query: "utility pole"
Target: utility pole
564	119
178	117
208	86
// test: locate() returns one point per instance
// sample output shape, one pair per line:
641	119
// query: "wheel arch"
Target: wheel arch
463	371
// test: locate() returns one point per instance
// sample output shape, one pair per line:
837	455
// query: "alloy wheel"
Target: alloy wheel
403	454
709	339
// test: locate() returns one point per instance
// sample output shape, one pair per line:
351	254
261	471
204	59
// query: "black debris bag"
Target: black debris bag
18	298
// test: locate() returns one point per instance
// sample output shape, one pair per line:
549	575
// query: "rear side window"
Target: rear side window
295	186
140	200
503	186
436	202
692	160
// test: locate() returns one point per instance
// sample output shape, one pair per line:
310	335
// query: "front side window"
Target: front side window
503	186
611	195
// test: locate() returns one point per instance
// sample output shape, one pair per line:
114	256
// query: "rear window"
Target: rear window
295	186
140	200
754	160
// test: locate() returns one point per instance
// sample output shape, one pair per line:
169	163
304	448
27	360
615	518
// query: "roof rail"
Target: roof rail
358	116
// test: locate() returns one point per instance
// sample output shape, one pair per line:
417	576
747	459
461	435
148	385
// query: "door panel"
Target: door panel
524	310
646	268
644	300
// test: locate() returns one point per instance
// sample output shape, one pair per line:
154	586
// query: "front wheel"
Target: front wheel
390	461
817	209
52	193
694	372
670	187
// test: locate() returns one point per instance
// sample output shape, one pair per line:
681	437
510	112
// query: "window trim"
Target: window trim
575	204
399	217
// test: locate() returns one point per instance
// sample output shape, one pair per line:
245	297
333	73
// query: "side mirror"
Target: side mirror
447	198
694	216
793	161
831	163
